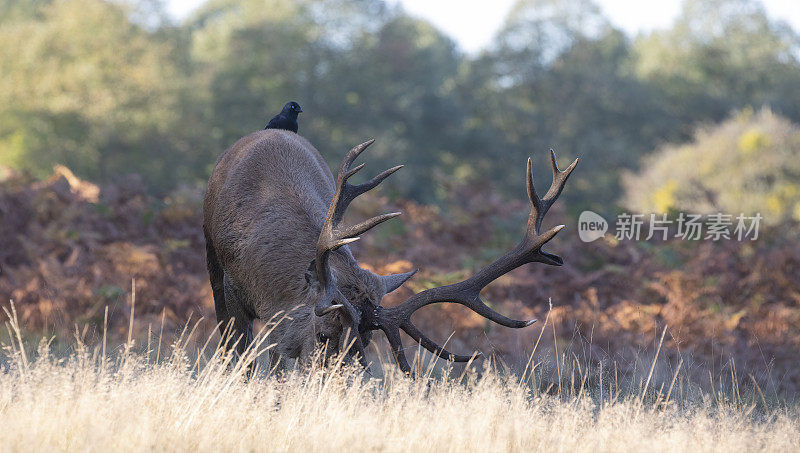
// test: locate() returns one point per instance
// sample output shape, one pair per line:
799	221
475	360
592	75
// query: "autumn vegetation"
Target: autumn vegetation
112	115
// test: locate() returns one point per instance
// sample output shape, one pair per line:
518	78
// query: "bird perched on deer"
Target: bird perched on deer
287	119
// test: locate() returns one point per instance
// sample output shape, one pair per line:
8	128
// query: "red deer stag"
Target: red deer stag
275	243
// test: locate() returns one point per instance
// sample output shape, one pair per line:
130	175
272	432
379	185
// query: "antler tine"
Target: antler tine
542	205
393	319
349	192
469	297
393	335
358	345
350	173
369	185
535	200
355	230
332	237
346	192
467	292
354	152
431	346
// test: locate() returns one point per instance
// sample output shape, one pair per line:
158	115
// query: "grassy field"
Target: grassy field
91	399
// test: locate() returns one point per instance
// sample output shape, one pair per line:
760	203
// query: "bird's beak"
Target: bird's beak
299	110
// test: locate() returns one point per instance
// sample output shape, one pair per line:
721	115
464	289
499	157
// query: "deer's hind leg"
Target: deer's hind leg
238	324
216	277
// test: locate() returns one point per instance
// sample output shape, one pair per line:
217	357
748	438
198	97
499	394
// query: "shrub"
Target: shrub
747	164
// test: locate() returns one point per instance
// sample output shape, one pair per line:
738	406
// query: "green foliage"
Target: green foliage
108	88
602	114
722	55
748	164
88	88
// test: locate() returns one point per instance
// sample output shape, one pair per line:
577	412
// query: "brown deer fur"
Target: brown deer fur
264	208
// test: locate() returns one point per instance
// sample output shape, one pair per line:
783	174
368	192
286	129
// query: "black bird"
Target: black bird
287	119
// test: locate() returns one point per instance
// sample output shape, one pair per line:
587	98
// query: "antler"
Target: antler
467	292
332	237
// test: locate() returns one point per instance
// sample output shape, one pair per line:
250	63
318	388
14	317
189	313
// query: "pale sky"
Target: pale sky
472	23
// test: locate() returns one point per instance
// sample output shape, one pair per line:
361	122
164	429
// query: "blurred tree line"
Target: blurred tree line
116	87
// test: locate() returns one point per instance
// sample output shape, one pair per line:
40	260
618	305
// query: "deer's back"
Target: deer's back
265	204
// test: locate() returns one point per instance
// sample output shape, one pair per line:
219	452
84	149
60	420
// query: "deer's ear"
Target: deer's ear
311	273
393	281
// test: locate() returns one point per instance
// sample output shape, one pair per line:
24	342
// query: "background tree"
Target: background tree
113	87
88	88
721	55
559	76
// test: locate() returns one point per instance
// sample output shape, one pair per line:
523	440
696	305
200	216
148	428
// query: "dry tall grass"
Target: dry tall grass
93	400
